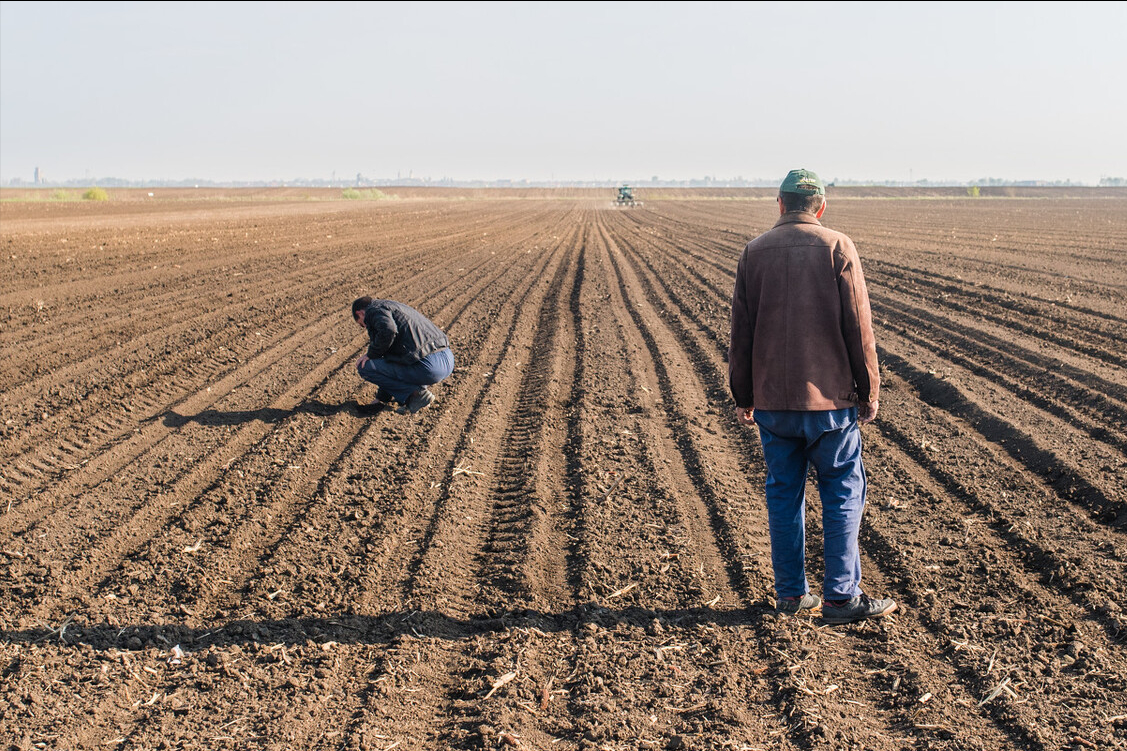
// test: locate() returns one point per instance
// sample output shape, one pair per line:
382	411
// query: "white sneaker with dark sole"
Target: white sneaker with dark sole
858	609
808	603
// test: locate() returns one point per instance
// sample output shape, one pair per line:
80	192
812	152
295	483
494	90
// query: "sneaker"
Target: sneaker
420	399
858	609
797	605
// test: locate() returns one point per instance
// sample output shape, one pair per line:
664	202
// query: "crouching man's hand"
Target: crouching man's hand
361	362
745	416
867	411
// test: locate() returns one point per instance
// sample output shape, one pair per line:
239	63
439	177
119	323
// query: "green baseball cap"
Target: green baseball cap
804	182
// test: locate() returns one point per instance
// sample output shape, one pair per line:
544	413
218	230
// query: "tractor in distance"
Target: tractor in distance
626	197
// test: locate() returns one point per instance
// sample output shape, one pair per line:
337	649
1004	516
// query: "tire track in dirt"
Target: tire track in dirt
590	715
529	709
589	681
389	586
512	512
470	350
443	574
432	574
521	565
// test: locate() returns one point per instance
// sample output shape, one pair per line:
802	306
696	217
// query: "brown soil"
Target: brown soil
203	544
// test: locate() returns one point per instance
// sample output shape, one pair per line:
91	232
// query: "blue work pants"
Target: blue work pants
830	441
399	381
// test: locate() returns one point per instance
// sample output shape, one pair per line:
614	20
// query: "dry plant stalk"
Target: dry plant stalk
606	495
994	694
499	683
622	591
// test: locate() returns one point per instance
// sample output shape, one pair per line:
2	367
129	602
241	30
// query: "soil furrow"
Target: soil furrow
790	689
1059	546
1072	480
1069	330
167	376
123	452
116	428
988	626
154	508
1095	406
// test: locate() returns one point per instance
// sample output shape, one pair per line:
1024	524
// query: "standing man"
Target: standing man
802	365
406	354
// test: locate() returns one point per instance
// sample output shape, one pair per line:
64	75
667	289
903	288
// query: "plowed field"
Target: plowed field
204	545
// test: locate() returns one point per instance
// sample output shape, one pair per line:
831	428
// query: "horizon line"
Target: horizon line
700	182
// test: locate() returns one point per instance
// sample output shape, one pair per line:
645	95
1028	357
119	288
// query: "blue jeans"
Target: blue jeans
399	381
830	441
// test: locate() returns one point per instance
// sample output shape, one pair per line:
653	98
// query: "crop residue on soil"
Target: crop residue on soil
204	545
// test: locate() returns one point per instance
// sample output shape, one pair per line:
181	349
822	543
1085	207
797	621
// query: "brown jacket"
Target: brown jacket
802	332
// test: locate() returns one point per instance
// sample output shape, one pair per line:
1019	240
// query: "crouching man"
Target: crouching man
406	354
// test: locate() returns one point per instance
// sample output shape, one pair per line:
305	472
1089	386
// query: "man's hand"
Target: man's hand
361	362
745	416
867	412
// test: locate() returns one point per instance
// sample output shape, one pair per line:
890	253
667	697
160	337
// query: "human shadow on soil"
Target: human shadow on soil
383	629
174	419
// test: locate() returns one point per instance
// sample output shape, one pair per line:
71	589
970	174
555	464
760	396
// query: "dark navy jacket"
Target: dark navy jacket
401	334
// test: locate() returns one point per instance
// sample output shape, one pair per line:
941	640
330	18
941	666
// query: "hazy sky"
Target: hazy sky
568	91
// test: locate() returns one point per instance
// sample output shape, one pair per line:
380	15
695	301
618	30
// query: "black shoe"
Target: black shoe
858	609
420	399
797	605
372	409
